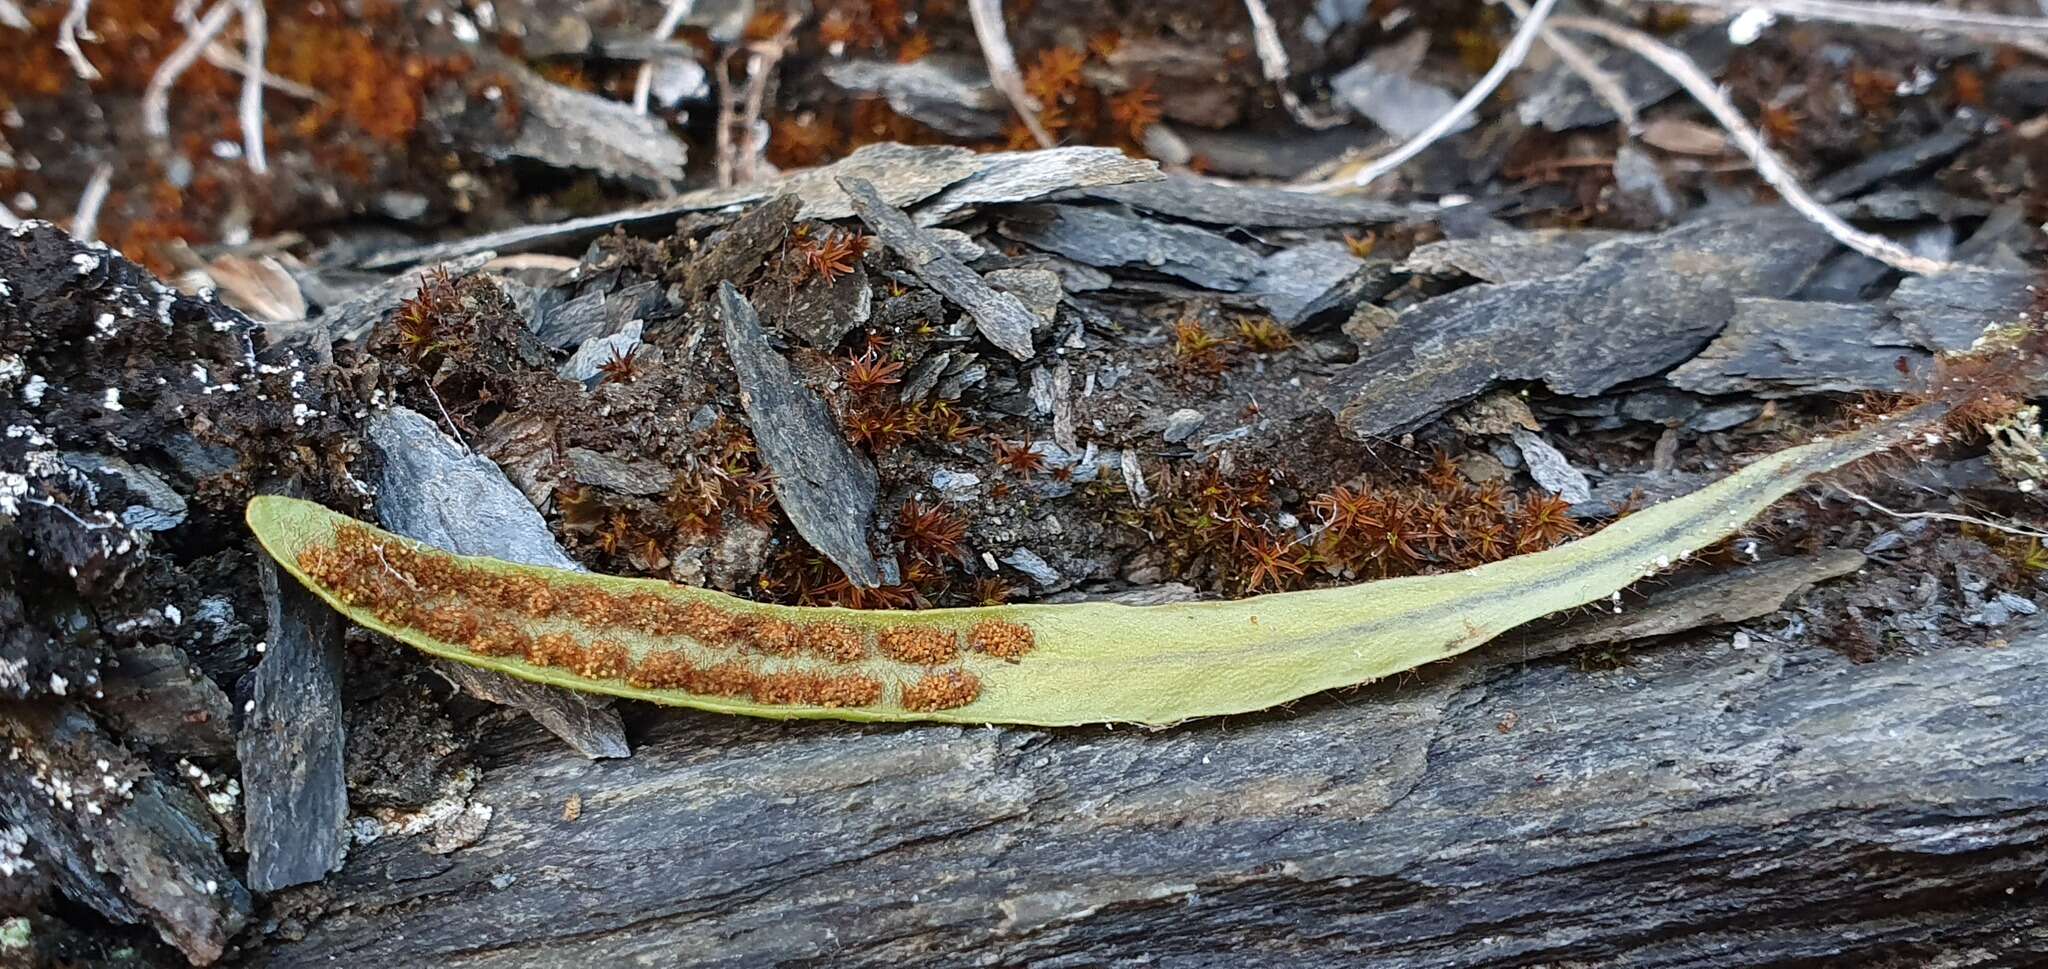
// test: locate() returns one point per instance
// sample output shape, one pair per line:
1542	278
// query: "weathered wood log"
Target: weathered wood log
1704	806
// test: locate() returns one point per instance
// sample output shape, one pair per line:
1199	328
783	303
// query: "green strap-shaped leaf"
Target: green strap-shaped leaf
1098	662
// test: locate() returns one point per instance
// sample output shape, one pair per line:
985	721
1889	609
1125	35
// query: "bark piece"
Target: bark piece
1905	159
1002	318
613	473
1108	239
1631	309
296	796
736	252
434	491
154	697
1475	815
828	491
565	128
111	836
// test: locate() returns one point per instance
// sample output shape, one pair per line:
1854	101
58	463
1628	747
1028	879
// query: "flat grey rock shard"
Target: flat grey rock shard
828	491
1007	178
1384	90
292	739
434	491
1306	280
1949	311
1001	317
1786	348
1106	238
565	128
1192	199
947	92
1632	309
1511	257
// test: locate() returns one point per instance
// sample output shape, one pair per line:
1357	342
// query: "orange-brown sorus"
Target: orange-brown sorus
835	641
918	645
779	637
554	649
942	691
500	639
1003	640
726	679
666	669
604	660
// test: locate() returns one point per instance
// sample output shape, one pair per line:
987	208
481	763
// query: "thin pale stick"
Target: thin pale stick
1273	64
643	84
1510	58
1914	17
85	224
1751	143
255	35
1946	517
1603	83
68	32
156	97
1002	64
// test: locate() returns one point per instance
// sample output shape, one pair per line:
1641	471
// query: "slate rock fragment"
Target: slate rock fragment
1384	89
828	491
1509	257
946	92
1906	159
565	128
1730	597
1108	239
1002	318
1632	309
1949	311
434	491
295	793
134	856
1785	348
1007	178
1561	100
1192	199
154	697
1301	282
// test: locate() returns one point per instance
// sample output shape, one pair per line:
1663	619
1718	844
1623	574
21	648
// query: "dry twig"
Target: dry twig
156	97
255	35
1510	58
1604	84
69	31
85	223
1945	516
1002	64
739	116
1273	63
671	18
1751	143
1989	28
